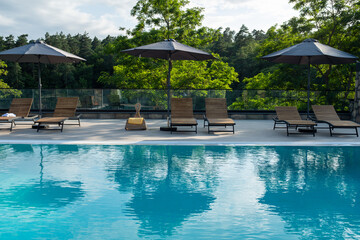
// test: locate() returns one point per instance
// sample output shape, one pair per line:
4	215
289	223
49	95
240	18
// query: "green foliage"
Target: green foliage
292	77
5	90
240	50
3	70
159	19
172	20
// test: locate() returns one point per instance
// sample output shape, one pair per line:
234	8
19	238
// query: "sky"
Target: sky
104	17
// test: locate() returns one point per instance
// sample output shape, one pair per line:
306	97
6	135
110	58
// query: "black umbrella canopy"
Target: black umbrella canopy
311	51
39	52
169	49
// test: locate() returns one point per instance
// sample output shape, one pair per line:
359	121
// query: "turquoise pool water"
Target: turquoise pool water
179	192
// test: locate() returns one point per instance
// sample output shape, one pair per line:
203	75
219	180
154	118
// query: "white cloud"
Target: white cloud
98	18
104	17
254	14
5	21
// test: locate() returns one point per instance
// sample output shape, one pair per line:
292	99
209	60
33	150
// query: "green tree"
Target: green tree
240	50
332	22
158	20
5	90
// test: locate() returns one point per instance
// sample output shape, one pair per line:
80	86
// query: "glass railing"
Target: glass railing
156	100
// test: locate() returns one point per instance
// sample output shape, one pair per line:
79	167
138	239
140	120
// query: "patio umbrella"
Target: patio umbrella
169	50
39	52
310	51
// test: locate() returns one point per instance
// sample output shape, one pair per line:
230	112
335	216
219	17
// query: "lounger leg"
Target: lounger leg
330	131
62	126
274	125
357	134
208	128
196	129
38	127
79	121
11	126
233	129
313	130
287	129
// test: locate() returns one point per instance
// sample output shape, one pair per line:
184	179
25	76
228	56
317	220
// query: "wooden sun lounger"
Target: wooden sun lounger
136	122
290	116
182	114
21	108
51	121
327	114
65	110
216	115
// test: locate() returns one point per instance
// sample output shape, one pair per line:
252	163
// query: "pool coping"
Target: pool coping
177	143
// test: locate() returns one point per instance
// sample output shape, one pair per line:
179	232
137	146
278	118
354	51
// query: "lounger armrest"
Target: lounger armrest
313	118
76	117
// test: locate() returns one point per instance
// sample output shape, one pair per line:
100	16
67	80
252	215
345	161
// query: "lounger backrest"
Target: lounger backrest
21	106
182	108
216	108
325	113
287	113
66	107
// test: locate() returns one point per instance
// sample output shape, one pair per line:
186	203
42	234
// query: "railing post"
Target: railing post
102	98
355	115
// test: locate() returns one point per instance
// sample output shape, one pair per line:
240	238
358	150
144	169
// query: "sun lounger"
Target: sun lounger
137	122
65	110
327	114
21	108
182	114
290	116
216	115
51	121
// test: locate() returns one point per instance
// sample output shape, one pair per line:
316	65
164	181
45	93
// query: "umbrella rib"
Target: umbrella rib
330	60
19	57
48	58
193	56
300	58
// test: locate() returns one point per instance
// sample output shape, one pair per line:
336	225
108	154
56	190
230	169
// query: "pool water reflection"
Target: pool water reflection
178	192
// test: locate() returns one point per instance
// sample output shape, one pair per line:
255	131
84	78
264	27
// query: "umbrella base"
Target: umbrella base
306	130
168	129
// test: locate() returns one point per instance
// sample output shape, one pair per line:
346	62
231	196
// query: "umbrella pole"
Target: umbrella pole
39	73
168	91
308	91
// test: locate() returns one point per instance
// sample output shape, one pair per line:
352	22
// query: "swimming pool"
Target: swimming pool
179	192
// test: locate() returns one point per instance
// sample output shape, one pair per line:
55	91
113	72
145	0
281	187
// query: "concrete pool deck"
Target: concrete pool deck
112	132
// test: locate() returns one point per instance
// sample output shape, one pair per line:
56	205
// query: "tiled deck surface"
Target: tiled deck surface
112	132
